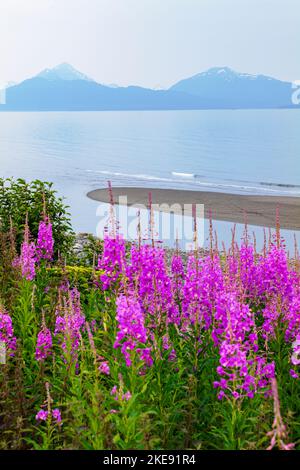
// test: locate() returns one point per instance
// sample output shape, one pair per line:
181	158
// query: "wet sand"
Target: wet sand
256	210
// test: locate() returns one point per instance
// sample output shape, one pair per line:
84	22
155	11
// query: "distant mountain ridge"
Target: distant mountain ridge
238	90
63	88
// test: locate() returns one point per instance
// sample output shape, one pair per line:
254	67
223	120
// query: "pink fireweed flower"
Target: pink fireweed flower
7	332
114	390
43	344
260	277
145	355
149	272
46	413
271	314
294	374
119	395
69	323
27	259
126	396
131	326
292	316
204	279
167	346
42	415
111	263
177	276
243	372
104	368
274	277
45	242
177	266
295	357
57	416
295	360
233	320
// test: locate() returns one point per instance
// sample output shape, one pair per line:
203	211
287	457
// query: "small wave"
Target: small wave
181	178
131	175
184	175
280	185
248	188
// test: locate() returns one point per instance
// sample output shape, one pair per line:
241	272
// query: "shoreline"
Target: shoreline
235	208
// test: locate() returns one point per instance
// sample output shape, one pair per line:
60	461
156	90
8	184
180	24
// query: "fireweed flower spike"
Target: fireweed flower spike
7	332
295	357
57	416
46	412
177	277
118	393
148	272
43	344
131	328
242	371
69	323
204	279
42	415
27	258
167	346
278	433
104	368
45	242
112	261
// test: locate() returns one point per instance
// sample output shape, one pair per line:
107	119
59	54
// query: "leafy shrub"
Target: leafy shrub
19	199
77	276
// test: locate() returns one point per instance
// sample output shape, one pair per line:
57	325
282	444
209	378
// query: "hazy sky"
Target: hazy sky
149	42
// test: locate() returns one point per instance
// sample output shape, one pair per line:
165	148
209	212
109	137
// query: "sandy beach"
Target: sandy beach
257	210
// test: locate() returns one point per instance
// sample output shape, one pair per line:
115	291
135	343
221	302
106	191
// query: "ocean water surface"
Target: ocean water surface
236	151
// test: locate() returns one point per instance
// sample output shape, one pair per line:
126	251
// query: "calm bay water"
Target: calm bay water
246	151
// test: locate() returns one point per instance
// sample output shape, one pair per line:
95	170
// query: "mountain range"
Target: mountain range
63	88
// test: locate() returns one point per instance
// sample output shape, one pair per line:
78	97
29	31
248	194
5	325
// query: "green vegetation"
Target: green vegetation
125	350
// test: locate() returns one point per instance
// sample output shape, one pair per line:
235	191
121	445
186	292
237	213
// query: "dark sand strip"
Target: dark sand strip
257	210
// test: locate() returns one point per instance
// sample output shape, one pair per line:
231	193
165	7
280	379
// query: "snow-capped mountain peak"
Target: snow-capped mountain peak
63	71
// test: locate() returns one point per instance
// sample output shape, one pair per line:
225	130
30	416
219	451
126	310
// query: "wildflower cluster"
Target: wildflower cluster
241	300
43	344
32	253
7	332
42	415
111	262
131	327
69	323
45	242
144	351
